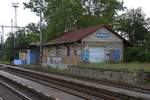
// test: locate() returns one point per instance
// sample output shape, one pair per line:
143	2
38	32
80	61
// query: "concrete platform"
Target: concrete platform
50	92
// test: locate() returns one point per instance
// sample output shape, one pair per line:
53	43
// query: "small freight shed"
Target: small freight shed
29	54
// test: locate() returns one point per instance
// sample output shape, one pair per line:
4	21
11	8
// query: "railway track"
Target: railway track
133	87
62	86
21	89
84	91
16	93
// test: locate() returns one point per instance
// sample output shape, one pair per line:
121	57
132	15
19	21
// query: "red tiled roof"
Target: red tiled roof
77	35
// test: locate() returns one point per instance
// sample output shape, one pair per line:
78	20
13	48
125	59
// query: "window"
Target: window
68	51
102	35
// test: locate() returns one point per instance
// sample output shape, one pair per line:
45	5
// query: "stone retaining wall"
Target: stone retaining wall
114	75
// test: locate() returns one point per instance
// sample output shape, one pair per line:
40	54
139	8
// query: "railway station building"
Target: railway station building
96	44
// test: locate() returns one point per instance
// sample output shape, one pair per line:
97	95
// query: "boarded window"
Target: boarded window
58	51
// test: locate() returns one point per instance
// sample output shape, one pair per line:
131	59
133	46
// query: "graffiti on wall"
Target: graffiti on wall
85	54
111	53
117	54
54	60
114	54
23	55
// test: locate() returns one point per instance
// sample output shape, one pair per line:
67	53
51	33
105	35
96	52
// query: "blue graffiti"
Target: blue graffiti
116	54
85	55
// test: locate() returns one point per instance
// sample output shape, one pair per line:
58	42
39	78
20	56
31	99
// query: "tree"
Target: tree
37	6
104	8
8	47
133	25
22	37
67	15
62	16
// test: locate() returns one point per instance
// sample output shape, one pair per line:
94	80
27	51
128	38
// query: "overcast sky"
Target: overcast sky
25	16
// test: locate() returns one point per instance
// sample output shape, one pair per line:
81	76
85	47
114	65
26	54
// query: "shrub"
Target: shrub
138	54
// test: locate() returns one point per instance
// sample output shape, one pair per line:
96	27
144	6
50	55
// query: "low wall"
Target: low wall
114	75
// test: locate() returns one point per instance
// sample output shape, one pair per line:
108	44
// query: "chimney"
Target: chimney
109	26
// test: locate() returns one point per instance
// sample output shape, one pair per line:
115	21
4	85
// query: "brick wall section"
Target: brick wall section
62	52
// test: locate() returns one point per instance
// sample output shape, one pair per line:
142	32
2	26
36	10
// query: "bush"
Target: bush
138	54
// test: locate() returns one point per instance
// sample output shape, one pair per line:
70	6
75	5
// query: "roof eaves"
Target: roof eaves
58	43
126	41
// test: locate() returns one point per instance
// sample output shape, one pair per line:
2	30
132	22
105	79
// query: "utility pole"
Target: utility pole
2	36
41	37
13	43
11	26
15	5
2	43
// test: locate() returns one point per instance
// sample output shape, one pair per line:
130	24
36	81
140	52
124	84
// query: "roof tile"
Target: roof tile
77	35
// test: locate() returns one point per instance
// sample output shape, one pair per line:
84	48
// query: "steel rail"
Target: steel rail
79	87
19	94
60	86
133	87
124	85
71	88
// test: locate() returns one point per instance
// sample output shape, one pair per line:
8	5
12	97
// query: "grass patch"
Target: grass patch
119	66
45	69
134	66
5	62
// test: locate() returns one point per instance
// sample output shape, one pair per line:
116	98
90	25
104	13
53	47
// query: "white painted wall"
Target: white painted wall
99	48
112	38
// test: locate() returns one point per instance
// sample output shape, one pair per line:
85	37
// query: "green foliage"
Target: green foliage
22	37
133	25
46	69
104	8
67	15
5	62
138	54
132	67
8	47
36	6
